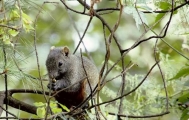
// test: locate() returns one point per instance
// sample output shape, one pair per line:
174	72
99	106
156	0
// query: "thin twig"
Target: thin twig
141	41
37	58
163	79
9	112
89	22
9	27
143	116
5	78
133	90
156	11
76	29
88	82
117	98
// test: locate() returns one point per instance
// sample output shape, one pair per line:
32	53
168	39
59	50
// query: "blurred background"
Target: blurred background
55	27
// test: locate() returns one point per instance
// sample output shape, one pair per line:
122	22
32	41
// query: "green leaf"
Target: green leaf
53	104
14	15
6	40
26	18
175	12
27	24
144	7
41	112
28	27
182	73
183	102
13	33
54	107
185	115
164	5
183	97
64	107
159	17
56	110
39	104
137	15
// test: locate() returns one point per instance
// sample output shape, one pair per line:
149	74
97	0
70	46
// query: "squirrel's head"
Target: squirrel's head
58	62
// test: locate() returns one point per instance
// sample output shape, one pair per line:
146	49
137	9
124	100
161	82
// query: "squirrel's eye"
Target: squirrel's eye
59	64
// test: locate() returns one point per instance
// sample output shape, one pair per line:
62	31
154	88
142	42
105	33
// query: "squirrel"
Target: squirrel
76	74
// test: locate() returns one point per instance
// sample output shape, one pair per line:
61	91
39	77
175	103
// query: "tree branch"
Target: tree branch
18	104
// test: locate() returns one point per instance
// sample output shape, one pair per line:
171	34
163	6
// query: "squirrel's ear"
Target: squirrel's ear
52	47
65	50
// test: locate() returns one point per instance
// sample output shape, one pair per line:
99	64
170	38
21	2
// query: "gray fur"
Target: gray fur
68	69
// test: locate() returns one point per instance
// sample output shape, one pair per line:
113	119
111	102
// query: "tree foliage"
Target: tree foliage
140	47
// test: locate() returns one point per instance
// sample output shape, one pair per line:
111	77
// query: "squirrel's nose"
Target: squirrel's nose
53	74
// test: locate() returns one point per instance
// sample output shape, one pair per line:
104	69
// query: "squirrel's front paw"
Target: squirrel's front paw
54	86
58	85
